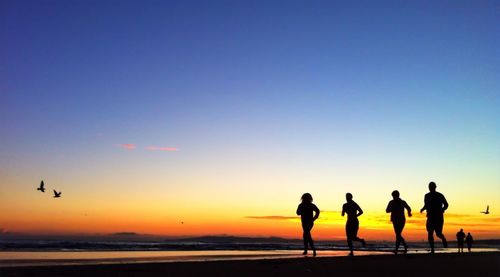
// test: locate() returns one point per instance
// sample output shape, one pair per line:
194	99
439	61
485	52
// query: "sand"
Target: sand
468	264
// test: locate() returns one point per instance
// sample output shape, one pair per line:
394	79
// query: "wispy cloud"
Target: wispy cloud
325	216
128	146
272	217
131	146
159	148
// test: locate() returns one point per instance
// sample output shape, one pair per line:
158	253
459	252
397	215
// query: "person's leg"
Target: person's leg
439	231
404	244
348	232
395	226
401	236
354	233
398	229
305	237
430	234
311	242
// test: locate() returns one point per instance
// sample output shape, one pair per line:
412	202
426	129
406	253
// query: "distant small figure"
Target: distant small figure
352	225
435	204
306	210
460	240
57	194
487	210
41	187
397	208
469	240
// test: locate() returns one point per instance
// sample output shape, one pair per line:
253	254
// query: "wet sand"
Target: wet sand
467	264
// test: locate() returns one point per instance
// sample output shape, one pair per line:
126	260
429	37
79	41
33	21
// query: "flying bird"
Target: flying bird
57	194
42	187
487	210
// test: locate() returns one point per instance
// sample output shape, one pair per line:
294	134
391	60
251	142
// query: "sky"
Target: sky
185	118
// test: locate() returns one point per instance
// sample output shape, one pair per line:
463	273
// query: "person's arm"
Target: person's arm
389	207
360	211
316	215
445	203
343	210
407	208
425	205
299	209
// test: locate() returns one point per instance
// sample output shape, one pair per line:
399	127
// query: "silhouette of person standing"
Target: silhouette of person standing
397	208
305	210
460	240
352	210
469	240
435	204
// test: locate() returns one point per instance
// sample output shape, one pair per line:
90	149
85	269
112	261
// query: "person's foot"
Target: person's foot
406	249
305	252
432	251
363	242
314	253
445	244
351	254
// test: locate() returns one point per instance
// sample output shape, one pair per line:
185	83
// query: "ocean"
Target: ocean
69	252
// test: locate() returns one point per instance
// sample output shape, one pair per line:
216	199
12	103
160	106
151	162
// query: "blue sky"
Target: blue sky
320	91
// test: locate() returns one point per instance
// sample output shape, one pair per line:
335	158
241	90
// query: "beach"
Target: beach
449	264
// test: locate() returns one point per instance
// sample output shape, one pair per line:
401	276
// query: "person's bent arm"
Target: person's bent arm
388	209
425	205
360	211
316	215
445	204
407	208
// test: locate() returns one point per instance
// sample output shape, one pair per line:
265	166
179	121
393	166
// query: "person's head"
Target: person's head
348	196
395	194
306	198
461	230
468	233
432	186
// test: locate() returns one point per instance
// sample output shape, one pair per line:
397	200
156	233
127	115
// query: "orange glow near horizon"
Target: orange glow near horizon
91	206
330	226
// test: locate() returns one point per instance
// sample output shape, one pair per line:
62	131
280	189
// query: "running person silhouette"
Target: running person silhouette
435	204
397	208
305	210
352	210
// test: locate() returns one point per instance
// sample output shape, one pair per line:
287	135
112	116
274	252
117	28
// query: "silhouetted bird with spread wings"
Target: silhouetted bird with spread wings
41	187
487	210
57	194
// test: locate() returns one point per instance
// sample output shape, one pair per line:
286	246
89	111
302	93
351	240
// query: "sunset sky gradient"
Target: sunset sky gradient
220	114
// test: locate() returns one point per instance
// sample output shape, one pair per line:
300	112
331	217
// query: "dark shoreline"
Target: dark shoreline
450	264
